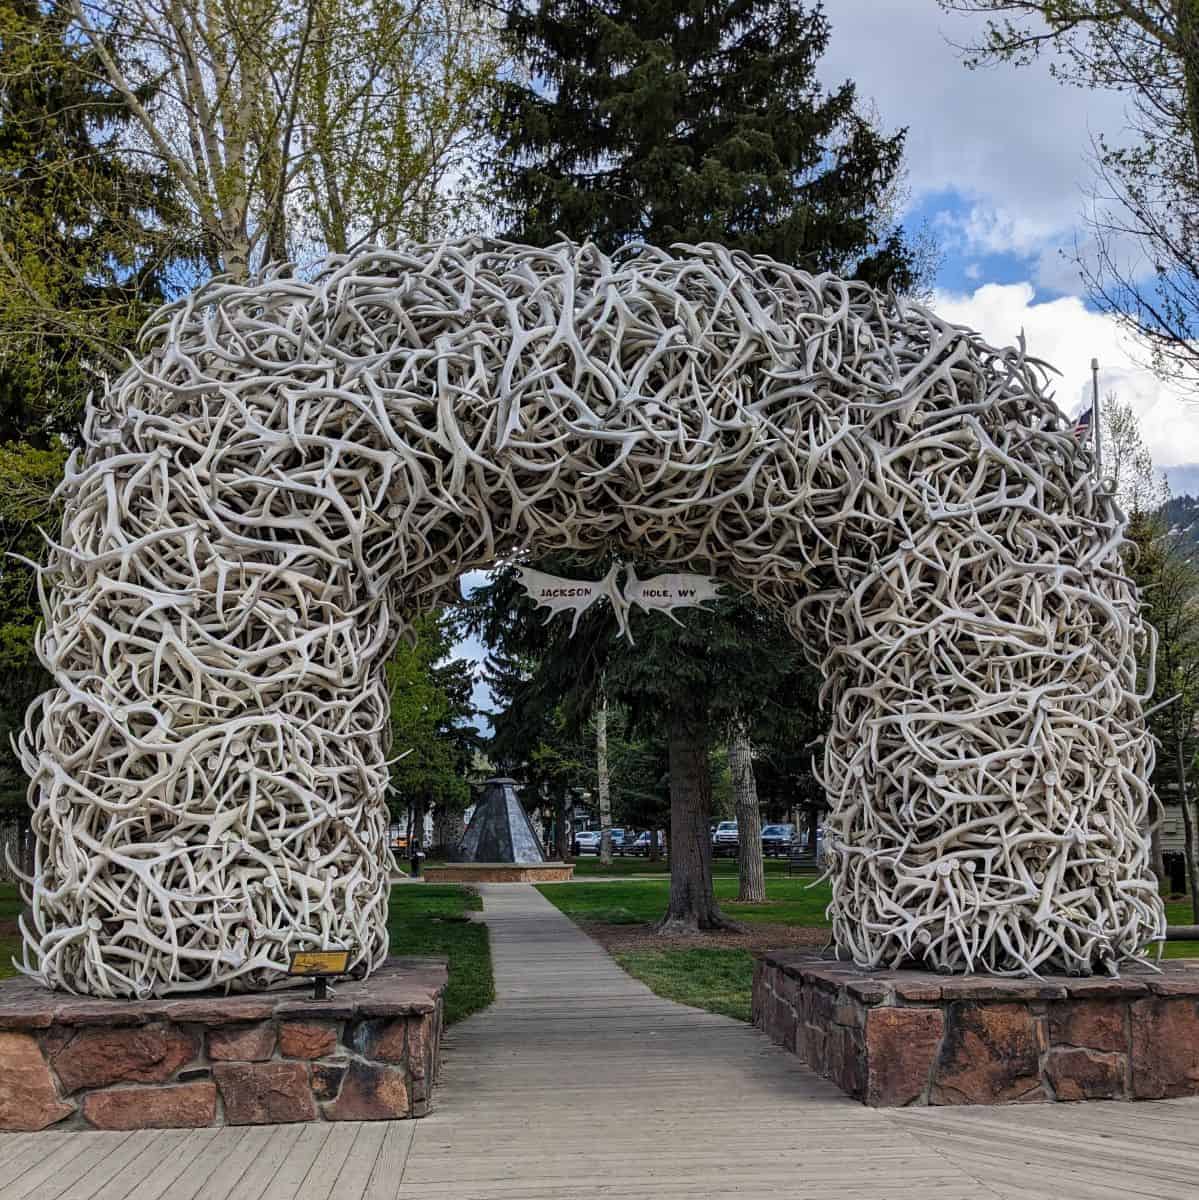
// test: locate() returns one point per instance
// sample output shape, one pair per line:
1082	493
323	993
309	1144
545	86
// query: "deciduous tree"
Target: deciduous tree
292	127
1127	461
431	713
1145	217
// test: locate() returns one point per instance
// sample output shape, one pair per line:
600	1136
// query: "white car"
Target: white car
588	841
724	839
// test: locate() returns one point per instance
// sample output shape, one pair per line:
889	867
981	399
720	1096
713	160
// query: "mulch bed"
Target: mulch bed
615	938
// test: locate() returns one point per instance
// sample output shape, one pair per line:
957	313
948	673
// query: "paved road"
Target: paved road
579	1083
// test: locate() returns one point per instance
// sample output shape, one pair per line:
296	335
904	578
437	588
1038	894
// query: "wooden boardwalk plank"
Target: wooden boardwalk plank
309	1144
62	1167
185	1157
267	1164
580	1082
384	1181
318	1183
112	1168
360	1163
225	1144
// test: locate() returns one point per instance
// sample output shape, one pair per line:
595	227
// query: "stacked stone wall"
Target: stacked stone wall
893	1038
368	1053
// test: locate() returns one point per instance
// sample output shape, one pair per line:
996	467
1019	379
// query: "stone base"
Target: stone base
554	872
367	1053
893	1038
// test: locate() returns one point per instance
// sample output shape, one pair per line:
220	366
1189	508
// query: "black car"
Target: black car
777	839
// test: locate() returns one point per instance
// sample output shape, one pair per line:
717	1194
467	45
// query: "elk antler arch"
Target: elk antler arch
294	465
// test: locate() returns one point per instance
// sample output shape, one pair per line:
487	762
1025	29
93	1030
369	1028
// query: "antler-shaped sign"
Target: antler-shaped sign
662	593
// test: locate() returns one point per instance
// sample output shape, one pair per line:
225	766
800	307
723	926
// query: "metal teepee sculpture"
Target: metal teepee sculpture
499	830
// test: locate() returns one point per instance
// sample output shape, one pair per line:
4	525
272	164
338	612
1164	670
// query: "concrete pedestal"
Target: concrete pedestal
369	1052
892	1038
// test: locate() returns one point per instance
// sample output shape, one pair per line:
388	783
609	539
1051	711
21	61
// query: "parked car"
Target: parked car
724	839
642	844
618	846
588	841
776	840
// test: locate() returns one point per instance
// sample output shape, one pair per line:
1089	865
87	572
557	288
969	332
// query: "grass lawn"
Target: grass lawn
1178	912
718	979
639	901
430	918
10	940
426	920
713	978
587	866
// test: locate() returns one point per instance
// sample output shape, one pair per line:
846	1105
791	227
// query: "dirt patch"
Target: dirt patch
763	936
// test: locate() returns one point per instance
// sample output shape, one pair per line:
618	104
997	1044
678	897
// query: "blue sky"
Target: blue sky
999	167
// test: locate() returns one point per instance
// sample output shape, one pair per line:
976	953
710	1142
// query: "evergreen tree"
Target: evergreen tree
533	741
550	746
692	122
1160	562
87	233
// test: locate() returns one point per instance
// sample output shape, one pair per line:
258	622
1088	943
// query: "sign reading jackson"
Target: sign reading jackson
662	593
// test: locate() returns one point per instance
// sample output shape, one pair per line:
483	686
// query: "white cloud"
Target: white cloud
988	230
1065	334
1009	140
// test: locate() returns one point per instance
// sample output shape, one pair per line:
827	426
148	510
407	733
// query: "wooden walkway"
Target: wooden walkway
579	1083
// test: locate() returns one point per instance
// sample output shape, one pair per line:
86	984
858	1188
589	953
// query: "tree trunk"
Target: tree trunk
601	770
1157	860
655	847
693	905
1188	36
447	827
562	851
812	812
416	838
1188	825
751	875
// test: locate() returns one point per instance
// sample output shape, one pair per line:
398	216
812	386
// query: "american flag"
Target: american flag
1082	424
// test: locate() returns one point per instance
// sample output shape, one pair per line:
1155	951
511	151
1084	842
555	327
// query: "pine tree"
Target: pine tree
733	665
684	123
691	122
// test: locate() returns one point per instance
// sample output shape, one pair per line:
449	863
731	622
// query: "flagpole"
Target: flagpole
1097	437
